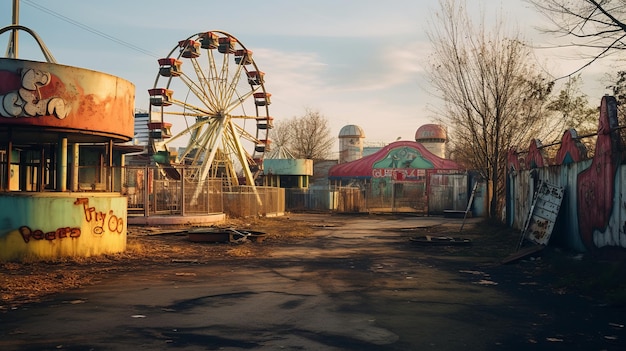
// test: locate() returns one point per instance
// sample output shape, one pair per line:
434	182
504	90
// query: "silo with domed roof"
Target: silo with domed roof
350	143
433	137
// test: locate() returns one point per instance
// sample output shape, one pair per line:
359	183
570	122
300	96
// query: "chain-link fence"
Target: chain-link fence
152	191
246	201
339	199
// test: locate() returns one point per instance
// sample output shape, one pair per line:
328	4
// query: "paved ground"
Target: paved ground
355	283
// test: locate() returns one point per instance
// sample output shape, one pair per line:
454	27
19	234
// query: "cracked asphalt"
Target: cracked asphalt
354	283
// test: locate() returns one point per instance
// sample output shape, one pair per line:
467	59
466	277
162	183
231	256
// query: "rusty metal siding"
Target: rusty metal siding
614	234
298	199
447	192
522	186
339	199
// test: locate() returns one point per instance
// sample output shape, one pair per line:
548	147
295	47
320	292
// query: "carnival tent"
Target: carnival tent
399	155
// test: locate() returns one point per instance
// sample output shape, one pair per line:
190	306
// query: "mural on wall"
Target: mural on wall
403	164
58	97
513	160
571	150
596	184
596	217
25	95
403	157
536	157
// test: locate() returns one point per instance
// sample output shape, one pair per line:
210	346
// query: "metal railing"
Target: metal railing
151	192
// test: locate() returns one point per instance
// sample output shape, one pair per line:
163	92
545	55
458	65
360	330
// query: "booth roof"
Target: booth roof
362	168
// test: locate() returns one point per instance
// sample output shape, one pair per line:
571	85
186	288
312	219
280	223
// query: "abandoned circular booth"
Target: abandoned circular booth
60	180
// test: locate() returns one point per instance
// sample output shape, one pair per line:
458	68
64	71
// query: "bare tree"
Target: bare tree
307	136
595	24
492	95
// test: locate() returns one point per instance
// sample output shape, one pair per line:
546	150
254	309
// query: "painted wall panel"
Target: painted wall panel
288	166
61	224
58	97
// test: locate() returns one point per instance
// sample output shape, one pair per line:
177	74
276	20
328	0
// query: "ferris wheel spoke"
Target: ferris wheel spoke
239	101
188	110
202	79
193	129
231	89
199	92
207	80
242	133
222	81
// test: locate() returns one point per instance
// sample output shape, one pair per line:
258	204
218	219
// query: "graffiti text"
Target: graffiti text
100	221
37	234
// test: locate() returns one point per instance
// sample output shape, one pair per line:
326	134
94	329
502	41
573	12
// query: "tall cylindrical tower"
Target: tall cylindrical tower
350	143
433	137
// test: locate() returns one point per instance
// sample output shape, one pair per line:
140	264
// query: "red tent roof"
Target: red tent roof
418	157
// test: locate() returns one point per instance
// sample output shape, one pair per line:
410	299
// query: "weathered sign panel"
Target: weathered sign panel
544	213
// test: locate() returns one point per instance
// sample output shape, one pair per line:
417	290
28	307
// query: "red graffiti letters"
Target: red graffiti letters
100	221
37	234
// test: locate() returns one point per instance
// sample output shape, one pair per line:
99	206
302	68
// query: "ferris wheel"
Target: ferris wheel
210	84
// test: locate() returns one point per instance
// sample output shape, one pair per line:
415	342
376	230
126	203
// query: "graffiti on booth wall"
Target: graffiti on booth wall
27	233
27	100
100	221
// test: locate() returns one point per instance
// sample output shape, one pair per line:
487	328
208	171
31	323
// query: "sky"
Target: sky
354	61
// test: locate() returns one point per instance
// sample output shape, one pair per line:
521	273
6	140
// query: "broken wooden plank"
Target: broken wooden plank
523	253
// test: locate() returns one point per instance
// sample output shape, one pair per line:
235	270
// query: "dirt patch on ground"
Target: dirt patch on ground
153	247
147	248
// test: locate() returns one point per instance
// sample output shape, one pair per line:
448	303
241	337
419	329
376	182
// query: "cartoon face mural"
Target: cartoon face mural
52	97
403	157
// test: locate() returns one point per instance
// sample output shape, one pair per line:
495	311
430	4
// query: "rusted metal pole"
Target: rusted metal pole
61	171
41	183
110	164
7	185
12	47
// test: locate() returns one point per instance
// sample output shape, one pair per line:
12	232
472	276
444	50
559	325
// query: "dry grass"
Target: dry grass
31	280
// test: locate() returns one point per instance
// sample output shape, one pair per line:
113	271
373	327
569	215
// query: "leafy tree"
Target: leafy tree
572	108
618	87
493	97
595	24
307	136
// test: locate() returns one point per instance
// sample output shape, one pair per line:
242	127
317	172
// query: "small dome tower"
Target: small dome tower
350	143
433	137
